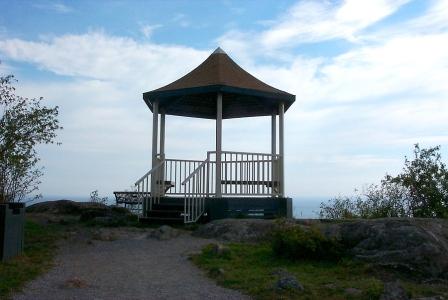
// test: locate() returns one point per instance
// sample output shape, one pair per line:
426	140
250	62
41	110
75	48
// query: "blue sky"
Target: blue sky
370	79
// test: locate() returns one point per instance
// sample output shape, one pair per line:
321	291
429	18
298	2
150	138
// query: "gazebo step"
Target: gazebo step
168	206
166	213
158	220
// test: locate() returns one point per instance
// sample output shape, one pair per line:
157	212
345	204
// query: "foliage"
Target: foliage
40	247
294	242
250	269
95	198
421	190
426	180
24	124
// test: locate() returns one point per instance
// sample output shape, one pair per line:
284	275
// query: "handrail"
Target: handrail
245	153
150	172
195	171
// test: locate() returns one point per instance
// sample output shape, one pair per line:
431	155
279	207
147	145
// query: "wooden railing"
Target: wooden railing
196	189
242	174
249	174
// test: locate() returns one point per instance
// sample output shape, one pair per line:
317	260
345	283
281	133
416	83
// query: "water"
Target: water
307	207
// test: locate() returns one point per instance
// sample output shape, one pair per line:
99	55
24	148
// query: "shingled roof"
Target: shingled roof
194	95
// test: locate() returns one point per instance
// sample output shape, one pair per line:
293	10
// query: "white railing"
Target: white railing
176	171
196	189
248	174
147	186
242	174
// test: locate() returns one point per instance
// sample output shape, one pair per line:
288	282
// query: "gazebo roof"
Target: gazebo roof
194	95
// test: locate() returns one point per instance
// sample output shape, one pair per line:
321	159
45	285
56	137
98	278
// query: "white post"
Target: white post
155	125
162	134
218	144
281	117
162	150
273	134
274	170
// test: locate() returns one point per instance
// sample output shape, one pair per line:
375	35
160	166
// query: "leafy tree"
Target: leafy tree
24	124
426	180
421	190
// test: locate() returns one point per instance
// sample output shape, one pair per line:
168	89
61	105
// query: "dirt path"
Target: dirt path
130	267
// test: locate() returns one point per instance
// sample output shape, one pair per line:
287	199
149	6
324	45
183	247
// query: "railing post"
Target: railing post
155	125
281	148
162	150
208	175
218	144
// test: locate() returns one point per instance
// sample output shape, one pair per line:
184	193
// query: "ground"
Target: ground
66	258
124	263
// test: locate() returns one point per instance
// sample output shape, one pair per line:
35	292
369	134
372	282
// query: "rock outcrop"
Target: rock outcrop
236	230
417	247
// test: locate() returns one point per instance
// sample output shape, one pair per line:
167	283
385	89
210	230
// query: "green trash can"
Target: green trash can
12	220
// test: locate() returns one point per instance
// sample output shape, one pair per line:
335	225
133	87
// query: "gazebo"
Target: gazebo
225	183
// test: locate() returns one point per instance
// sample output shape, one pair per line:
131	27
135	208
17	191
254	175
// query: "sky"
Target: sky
370	79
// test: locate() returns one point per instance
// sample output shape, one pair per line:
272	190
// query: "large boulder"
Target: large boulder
67	207
416	246
87	211
236	230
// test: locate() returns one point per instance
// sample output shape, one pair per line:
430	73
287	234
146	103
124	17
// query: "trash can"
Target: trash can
12	220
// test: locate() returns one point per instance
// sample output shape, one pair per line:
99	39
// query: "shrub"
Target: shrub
293	242
420	190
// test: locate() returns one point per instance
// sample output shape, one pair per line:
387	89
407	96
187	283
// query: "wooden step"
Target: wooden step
161	221
165	213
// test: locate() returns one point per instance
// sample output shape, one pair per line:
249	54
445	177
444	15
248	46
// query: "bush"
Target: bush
295	243
420	191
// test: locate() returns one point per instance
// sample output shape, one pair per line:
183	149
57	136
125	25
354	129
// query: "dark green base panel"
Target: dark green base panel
248	207
170	209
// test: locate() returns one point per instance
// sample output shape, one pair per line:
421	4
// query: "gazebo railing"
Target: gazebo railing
248	174
242	174
196	189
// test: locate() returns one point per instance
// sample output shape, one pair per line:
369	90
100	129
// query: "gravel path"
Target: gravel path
130	267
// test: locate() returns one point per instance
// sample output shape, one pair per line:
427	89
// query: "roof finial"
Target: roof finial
219	51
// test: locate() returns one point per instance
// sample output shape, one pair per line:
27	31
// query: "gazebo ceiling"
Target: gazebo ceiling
194	95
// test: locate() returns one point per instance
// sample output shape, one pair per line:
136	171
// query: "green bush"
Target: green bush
295	243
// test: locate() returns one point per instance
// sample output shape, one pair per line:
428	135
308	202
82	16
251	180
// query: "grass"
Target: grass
249	268
40	247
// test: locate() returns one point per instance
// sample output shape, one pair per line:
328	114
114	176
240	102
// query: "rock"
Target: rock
87	212
236	230
163	233
418	247
103	235
286	281
330	286
74	282
220	250
394	291
216	272
353	292
430	298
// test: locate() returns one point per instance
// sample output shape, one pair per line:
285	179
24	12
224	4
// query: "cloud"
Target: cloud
54	6
148	30
311	22
97	55
357	113
181	19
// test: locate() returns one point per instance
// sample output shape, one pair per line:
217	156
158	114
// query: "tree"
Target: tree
426	180
421	190
24	124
